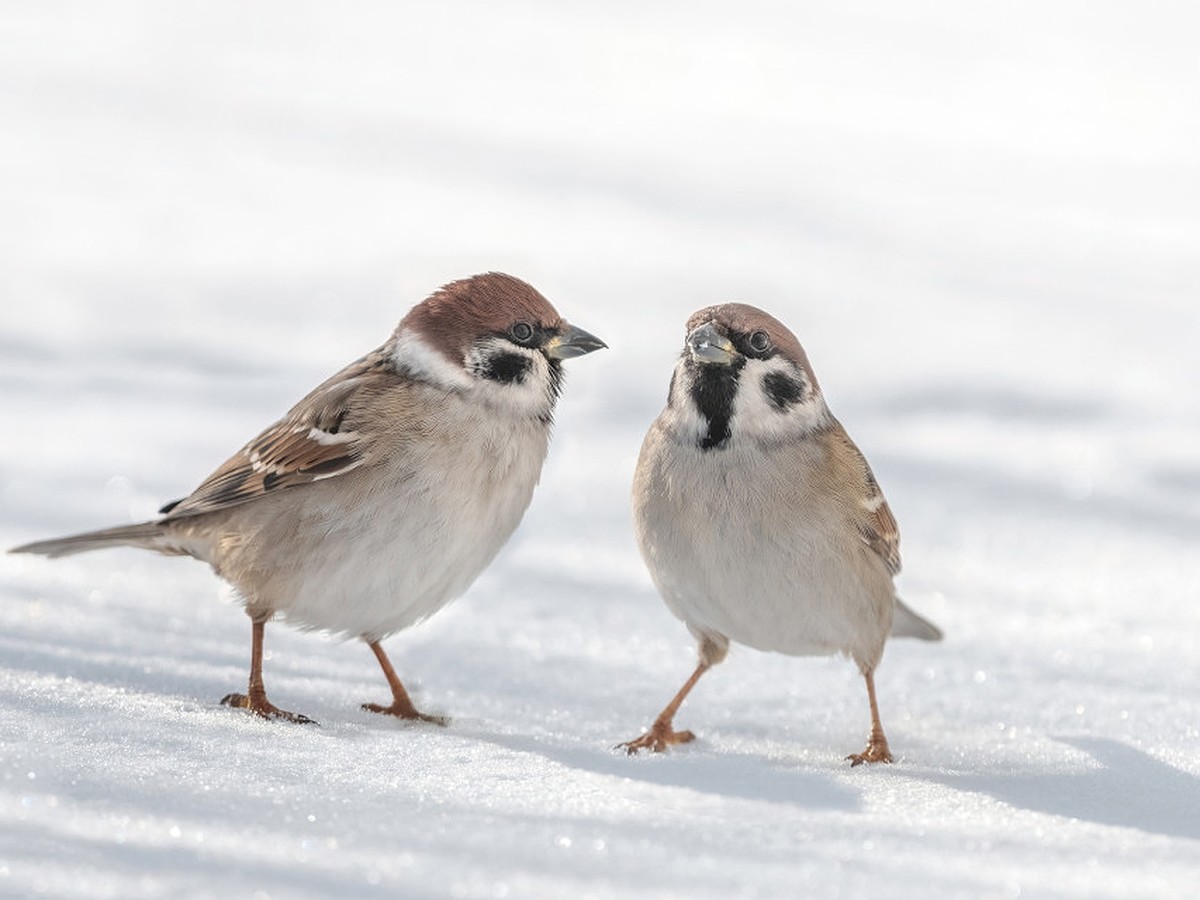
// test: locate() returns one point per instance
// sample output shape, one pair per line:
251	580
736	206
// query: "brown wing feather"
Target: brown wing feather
876	524
881	534
320	437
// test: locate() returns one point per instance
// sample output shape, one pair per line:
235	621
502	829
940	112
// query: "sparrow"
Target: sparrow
383	494
759	519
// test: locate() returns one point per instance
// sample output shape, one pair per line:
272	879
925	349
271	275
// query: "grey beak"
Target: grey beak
571	343
707	345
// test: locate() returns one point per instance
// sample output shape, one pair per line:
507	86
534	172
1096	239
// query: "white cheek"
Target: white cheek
412	354
682	417
531	396
476	358
756	416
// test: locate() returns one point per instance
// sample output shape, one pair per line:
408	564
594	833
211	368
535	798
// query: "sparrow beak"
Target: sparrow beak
707	345
571	343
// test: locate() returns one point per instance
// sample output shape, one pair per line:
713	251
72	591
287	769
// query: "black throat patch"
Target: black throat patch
713	390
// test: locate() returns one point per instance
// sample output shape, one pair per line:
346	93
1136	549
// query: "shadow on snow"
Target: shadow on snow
1129	788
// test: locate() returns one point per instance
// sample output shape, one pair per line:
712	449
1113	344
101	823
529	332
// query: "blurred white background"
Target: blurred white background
981	219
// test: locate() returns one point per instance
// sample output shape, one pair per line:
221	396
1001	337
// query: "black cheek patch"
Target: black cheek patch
506	367
784	391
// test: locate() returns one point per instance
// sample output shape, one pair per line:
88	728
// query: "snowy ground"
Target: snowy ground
983	225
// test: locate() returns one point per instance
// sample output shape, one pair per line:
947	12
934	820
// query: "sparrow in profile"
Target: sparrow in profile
759	519
383	494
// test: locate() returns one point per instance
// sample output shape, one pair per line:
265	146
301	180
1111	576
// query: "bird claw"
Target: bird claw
657	739
264	709
877	752
406	712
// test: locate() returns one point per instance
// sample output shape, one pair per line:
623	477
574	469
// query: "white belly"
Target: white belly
399	553
747	558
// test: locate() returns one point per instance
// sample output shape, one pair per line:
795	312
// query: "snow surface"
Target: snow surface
982	220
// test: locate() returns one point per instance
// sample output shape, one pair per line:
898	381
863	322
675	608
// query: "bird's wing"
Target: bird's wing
322	436
876	524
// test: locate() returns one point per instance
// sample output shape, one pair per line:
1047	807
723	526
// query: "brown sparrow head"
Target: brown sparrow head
382	494
493	334
758	518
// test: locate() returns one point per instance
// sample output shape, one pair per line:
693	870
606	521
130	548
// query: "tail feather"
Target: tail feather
906	623
147	535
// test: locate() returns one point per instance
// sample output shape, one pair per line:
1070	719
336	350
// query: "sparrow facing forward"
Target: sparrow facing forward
381	495
758	517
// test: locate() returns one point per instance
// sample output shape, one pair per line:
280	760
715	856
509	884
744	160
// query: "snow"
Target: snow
982	222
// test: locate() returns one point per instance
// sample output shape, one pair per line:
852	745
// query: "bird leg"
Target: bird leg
877	745
255	698
402	705
661	735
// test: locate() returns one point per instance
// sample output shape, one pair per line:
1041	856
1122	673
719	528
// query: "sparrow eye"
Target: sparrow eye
759	342
522	332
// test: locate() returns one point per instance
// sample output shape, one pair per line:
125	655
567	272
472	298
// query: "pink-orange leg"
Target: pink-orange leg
877	745
402	705
255	698
661	734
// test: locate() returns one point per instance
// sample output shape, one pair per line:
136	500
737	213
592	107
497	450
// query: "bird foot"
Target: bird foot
261	707
658	738
406	712
877	752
